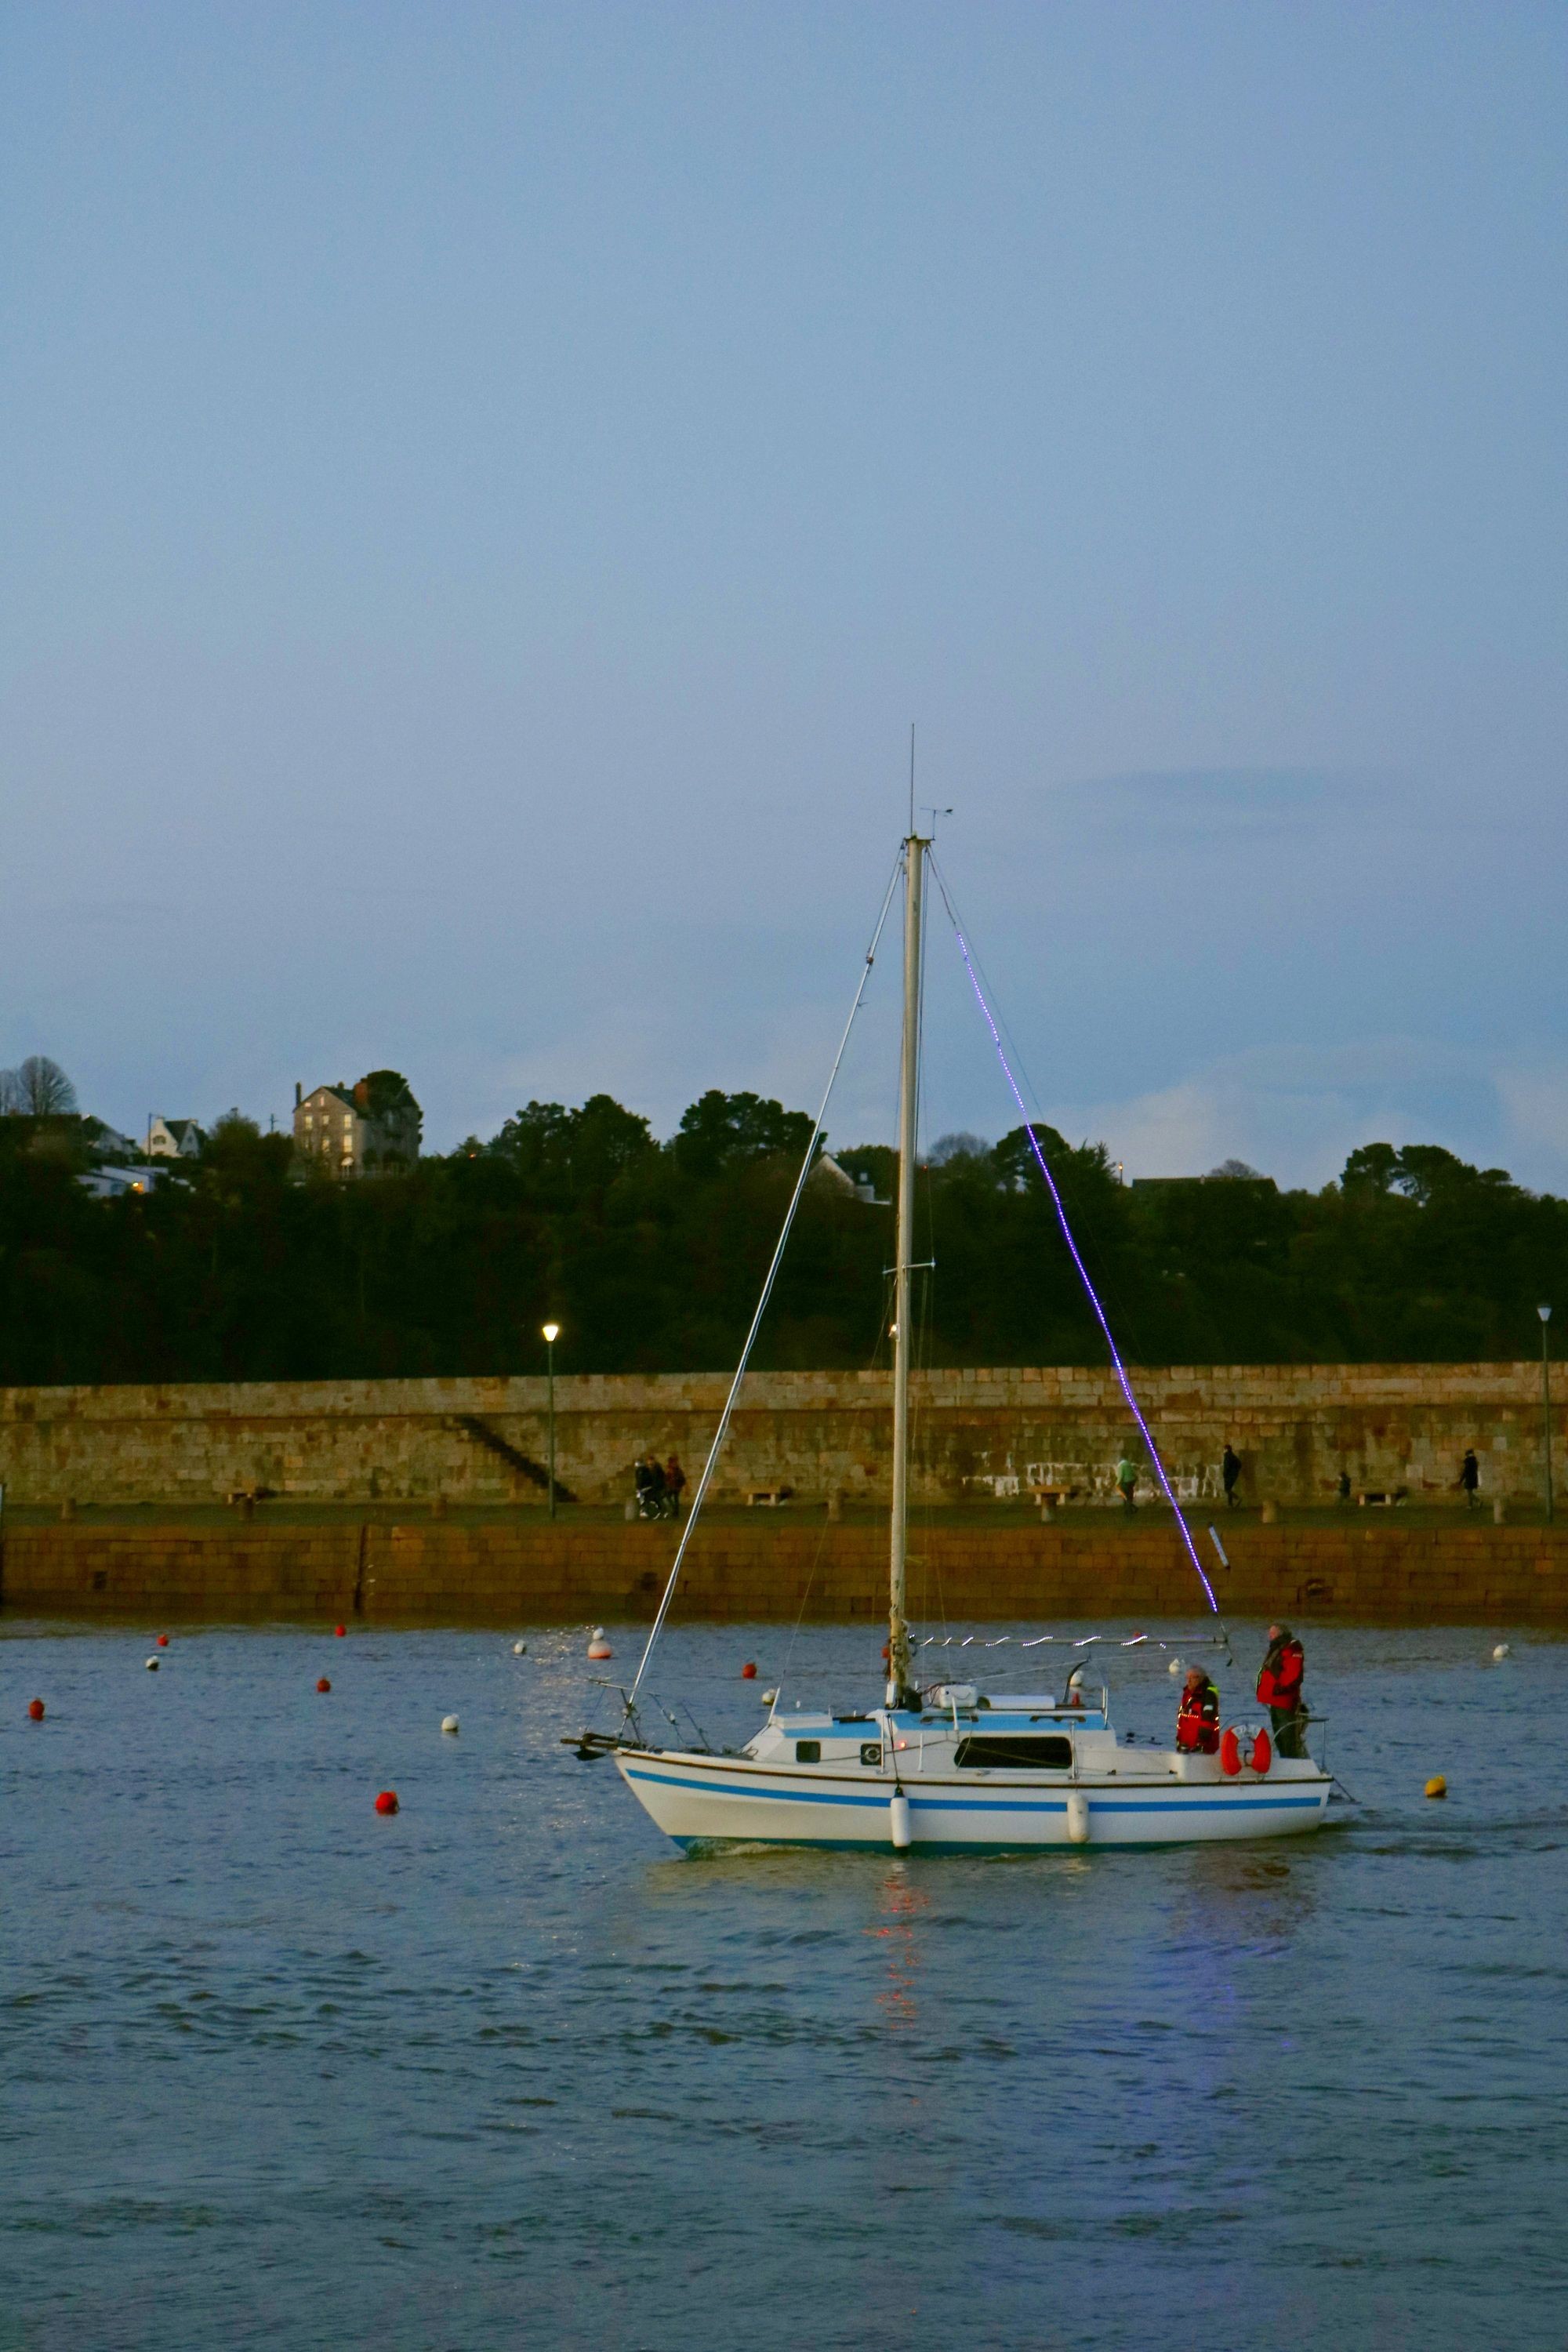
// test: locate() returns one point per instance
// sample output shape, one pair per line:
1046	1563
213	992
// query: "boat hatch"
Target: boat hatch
1015	1751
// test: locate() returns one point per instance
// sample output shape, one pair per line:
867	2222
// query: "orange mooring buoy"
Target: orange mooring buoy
387	1801
36	1710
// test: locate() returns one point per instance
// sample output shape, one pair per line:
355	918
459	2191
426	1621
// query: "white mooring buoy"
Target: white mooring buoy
1175	1667
598	1647
449	1723
519	1649
1502	1650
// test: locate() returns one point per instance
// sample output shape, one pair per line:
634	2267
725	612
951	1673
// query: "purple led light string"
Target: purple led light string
1120	1369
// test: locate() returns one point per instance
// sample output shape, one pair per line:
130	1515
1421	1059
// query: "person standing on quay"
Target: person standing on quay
674	1486
1230	1471
1279	1688
1469	1476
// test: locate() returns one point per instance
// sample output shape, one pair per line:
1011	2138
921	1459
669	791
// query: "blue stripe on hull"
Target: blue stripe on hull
938	1848
1242	1801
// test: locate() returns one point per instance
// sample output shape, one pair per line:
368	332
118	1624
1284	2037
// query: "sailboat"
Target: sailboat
948	1766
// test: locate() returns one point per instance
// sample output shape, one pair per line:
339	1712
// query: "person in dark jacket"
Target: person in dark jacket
649	1480
1279	1688
1230	1471
1197	1717
1469	1476
674	1486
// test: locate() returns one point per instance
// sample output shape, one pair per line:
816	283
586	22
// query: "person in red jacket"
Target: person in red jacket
1279	1688
1197	1718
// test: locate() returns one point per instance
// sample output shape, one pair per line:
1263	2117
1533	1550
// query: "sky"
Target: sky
488	490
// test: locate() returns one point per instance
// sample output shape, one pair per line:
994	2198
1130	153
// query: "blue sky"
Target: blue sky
490	488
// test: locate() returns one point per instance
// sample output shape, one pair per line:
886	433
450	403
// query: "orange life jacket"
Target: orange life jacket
1197	1721
1279	1684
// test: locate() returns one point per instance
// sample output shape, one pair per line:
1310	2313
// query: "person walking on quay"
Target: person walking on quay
1469	1476
674	1486
1230	1471
1279	1688
1127	1482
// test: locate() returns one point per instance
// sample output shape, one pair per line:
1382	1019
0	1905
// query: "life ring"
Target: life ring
1244	1749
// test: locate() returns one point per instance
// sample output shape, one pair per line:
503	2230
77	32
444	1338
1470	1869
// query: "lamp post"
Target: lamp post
1545	1315
551	1333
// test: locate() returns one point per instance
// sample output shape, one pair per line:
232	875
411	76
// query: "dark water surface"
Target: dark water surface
507	2071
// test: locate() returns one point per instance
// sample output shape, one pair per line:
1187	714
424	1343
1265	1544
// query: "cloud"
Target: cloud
1535	1104
1297	1111
1205	805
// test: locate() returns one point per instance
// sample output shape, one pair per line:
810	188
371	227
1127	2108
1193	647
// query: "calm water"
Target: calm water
507	2071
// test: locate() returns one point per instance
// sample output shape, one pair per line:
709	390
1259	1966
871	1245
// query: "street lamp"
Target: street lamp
1545	1315
551	1333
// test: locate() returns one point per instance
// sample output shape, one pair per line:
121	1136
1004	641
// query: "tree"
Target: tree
562	1151
721	1130
382	1092
39	1088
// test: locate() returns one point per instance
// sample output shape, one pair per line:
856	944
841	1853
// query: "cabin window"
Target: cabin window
808	1751
1015	1751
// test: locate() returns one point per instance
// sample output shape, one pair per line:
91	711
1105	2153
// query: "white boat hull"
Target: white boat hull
707	1800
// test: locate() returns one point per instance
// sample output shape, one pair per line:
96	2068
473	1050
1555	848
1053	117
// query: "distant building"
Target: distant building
371	1129
173	1138
107	1183
828	1172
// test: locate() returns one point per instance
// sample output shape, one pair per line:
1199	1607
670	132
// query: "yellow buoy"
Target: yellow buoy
1437	1786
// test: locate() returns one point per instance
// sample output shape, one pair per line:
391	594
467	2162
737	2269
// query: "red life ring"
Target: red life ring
1256	1756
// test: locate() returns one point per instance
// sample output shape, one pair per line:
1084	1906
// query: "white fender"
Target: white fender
898	1821
1078	1817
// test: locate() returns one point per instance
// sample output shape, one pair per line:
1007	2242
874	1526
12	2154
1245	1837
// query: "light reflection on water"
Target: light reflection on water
506	2070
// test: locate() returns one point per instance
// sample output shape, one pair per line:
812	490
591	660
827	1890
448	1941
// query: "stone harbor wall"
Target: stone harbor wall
978	1435
766	1568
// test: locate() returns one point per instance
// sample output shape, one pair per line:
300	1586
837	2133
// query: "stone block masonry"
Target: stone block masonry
529	1572
978	1433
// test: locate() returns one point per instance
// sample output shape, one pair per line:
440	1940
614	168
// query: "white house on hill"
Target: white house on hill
173	1138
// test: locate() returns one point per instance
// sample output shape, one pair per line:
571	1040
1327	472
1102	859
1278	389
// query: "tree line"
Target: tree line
246	1265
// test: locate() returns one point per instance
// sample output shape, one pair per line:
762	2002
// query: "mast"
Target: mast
900	1669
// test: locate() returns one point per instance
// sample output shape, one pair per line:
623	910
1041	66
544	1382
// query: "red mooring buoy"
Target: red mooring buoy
339	1631
163	1640
36	1710
749	1671
324	1684
387	1801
